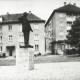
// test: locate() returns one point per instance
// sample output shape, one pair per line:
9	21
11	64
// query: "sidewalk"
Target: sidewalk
44	71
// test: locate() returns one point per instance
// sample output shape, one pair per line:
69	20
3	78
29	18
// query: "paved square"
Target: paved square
44	71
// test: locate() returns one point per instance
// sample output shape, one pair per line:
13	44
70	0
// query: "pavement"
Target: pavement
43	71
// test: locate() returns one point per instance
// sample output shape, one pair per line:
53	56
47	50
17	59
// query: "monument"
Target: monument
26	28
24	54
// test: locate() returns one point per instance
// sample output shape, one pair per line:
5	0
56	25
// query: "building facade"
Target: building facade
11	35
57	27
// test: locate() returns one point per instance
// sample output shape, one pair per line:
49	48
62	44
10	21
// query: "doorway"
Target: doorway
10	52
10	49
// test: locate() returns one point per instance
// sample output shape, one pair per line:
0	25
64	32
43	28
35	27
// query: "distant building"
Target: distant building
11	34
57	27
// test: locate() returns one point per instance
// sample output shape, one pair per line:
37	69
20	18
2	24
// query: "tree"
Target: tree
73	37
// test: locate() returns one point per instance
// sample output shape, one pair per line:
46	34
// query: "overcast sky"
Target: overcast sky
41	8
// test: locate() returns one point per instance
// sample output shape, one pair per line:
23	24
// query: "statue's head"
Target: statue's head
25	14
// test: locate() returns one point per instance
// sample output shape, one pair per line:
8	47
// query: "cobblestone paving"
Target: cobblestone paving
44	71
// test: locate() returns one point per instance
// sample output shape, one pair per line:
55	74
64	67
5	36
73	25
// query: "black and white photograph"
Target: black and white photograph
39	39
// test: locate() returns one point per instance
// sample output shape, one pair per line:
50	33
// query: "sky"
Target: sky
41	8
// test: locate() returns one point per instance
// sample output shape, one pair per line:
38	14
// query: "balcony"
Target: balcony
68	27
71	18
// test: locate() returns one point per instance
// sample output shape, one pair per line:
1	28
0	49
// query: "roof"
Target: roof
68	8
65	9
13	18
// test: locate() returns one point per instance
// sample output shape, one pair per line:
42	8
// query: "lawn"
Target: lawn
44	59
56	58
7	62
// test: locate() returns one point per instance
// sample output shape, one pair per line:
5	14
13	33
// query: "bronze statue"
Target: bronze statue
26	28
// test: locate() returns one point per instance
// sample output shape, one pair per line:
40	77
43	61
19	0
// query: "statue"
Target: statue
26	28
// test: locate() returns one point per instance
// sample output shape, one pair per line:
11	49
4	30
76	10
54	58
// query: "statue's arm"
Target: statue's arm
31	29
30	26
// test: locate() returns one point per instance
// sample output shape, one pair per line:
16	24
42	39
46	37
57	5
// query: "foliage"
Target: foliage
71	51
73	37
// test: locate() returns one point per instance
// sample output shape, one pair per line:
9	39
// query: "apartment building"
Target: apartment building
57	27
11	34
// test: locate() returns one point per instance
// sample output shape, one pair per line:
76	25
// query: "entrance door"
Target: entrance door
10	52
10	49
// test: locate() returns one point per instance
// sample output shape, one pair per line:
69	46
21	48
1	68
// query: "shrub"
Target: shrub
71	51
78	51
39	54
4	55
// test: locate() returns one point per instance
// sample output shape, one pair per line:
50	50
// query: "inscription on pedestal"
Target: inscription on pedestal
31	60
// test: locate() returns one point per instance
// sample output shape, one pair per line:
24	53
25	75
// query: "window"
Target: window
20	28
36	47
69	26
61	15
21	38
61	32
10	38
36	37
0	49
0	39
0	28
50	23
36	27
69	16
10	27
61	23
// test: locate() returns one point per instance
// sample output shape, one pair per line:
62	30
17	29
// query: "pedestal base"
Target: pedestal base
24	58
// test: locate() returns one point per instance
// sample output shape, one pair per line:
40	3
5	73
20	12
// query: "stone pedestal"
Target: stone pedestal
31	60
24	58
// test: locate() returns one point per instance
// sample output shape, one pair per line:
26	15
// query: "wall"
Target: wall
17	31
60	25
14	33
41	41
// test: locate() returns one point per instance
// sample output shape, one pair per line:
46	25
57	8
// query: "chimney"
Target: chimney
29	12
74	4
64	3
70	3
8	14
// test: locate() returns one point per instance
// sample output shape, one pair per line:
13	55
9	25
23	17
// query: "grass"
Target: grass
7	62
44	59
57	58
